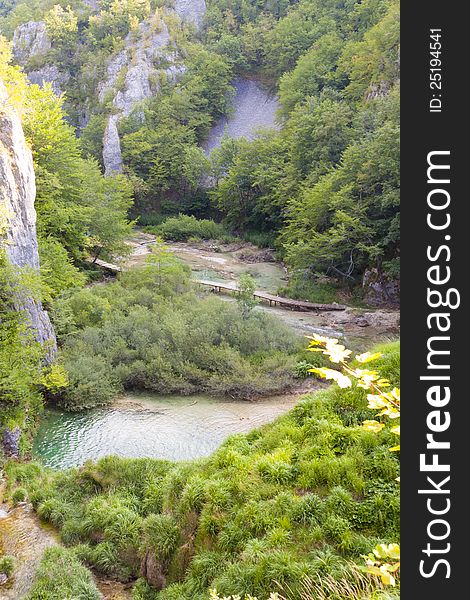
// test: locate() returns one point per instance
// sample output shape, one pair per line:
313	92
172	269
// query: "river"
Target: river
360	328
182	428
176	428
167	427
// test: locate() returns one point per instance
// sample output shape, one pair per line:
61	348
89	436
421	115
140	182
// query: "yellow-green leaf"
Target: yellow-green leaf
373	426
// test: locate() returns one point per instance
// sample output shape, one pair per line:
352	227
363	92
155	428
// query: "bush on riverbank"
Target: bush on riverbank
150	331
302	497
7	565
61	575
187	227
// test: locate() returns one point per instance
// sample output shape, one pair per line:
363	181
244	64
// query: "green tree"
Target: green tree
246	289
315	70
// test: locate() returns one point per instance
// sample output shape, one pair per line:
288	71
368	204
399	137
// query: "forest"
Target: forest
150	150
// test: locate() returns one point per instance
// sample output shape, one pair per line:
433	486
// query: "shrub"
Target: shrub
90	383
19	495
160	534
184	346
184	227
309	509
60	575
7	565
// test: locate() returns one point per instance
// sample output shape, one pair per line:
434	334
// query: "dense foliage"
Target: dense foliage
301	497
80	213
298	502
328	182
150	331
186	227
20	354
324	188
60	565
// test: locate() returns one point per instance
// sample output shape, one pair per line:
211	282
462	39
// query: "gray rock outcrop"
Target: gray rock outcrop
50	74
17	195
252	108
191	11
30	41
134	75
380	290
11	442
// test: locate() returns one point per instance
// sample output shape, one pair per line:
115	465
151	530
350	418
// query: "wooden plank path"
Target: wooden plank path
219	287
273	300
106	265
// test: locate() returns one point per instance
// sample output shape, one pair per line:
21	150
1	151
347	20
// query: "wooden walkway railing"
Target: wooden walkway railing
232	288
273	300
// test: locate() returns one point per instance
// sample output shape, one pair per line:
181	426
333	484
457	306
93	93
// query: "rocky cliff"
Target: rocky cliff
191	11
17	195
132	75
135	73
31	42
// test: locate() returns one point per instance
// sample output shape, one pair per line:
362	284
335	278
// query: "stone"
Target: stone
191	11
50	74
112	158
17	196
380	290
385	320
137	68
11	442
30	40
253	107
133	74
153	571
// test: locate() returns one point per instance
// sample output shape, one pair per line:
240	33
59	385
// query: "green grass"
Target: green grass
306	495
61	576
7	565
185	228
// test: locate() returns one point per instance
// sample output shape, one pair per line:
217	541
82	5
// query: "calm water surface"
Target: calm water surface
145	425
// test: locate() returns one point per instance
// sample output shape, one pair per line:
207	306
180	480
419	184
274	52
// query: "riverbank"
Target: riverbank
288	499
360	327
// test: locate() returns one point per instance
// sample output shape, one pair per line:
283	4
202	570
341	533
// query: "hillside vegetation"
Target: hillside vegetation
305	496
117	138
324	188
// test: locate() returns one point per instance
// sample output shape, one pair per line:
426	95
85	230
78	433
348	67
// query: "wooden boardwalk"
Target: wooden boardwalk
232	288
273	300
106	265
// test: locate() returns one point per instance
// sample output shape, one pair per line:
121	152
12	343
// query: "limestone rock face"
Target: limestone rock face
11	442
252	108
191	11
29	40
132	76
17	195
50	74
112	158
